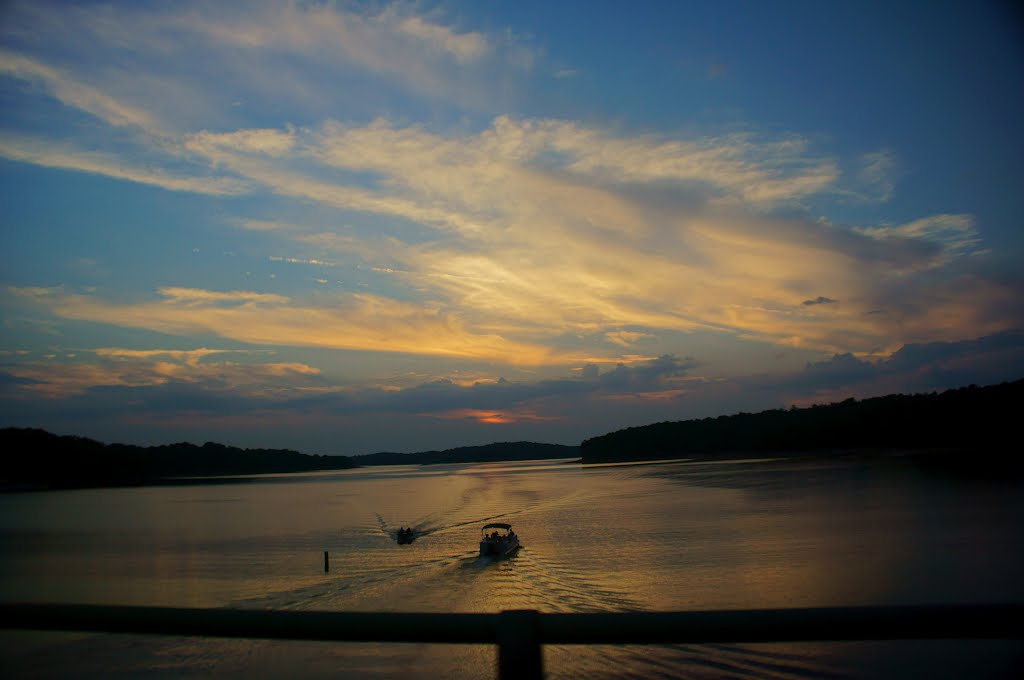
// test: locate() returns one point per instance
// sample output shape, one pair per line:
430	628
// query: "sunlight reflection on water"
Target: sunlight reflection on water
666	536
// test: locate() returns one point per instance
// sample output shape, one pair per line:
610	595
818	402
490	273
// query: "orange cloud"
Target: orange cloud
361	322
490	417
117	367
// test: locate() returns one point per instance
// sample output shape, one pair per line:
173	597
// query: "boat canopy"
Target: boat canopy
497	525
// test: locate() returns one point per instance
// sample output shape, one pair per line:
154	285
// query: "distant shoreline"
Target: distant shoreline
38	460
968	424
42	461
942	461
487	453
962	431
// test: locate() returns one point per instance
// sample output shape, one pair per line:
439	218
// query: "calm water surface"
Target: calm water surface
675	536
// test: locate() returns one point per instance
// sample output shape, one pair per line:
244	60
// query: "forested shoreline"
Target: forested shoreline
37	459
473	454
968	420
963	427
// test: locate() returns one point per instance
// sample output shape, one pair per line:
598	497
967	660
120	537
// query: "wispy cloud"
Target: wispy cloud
464	47
262	225
197	296
419	52
188	356
299	260
75	94
127	368
519	190
521	239
379	42
573	157
640	256
359	322
876	175
269	142
626	338
563	228
951	235
65	157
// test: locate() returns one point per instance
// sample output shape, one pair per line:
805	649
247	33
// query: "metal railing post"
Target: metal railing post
521	634
519	646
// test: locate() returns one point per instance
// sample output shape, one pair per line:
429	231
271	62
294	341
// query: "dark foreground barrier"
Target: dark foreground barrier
520	634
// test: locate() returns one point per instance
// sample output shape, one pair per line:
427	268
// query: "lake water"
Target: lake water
668	536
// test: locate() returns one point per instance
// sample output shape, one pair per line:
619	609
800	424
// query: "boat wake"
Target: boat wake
425	526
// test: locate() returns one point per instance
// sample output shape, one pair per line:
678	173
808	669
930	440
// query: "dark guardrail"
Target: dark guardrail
520	634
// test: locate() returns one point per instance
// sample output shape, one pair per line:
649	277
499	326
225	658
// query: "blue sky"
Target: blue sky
351	227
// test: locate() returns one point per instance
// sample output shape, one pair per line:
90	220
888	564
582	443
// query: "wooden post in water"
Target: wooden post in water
327	562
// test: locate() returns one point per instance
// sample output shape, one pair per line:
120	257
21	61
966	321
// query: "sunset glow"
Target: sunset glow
409	226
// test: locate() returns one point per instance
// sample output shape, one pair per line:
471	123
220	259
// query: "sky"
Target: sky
354	227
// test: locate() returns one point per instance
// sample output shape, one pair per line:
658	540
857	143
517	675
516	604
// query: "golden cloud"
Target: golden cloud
491	417
118	367
357	322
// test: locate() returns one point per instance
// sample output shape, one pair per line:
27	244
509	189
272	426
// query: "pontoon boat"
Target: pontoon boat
498	543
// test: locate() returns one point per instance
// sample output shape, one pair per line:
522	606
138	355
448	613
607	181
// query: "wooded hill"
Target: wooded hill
968	419
36	458
472	454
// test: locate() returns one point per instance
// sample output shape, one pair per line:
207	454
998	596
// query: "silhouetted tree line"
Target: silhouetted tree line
36	458
473	454
968	419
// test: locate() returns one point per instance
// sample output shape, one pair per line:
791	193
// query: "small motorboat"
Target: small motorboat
500	541
405	536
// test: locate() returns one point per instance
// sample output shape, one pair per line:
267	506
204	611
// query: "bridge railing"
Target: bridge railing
520	634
